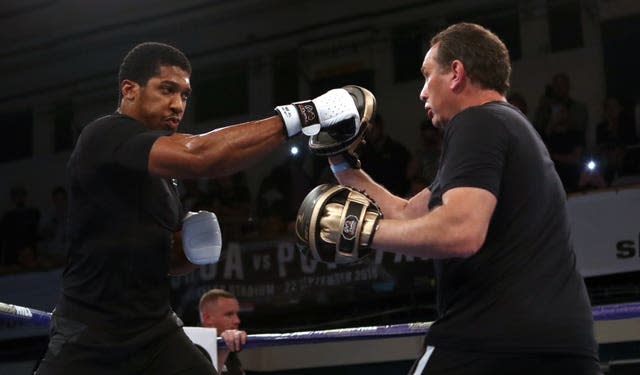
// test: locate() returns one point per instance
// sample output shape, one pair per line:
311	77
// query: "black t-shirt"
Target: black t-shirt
121	229
521	291
232	365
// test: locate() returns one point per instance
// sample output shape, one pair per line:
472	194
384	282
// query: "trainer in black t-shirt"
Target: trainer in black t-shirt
521	291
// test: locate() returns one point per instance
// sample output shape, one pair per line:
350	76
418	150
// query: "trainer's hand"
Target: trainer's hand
234	339
310	116
332	226
336	224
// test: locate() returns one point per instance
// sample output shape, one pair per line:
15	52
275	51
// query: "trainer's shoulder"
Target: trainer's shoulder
494	115
496	109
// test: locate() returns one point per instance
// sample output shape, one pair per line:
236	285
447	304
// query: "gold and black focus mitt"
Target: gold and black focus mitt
336	224
345	137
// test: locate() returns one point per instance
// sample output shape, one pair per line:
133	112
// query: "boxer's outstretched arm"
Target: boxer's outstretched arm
220	152
233	148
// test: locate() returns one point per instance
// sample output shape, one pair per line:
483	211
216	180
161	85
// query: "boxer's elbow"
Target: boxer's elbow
182	269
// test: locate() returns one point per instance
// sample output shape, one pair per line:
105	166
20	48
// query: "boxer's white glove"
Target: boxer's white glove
310	116
201	237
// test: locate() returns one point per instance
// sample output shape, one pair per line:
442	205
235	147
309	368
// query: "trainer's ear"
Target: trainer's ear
458	75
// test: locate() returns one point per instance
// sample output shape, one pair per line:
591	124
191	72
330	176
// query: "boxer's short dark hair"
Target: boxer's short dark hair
144	61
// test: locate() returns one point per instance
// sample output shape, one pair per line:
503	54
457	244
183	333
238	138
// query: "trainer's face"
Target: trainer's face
161	102
436	91
223	315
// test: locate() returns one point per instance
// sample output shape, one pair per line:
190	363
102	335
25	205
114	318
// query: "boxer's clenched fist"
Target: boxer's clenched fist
336	106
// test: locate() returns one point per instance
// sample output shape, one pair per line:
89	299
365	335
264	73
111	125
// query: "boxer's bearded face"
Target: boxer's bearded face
161	102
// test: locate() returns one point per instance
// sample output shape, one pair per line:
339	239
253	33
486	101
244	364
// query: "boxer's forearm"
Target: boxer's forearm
217	153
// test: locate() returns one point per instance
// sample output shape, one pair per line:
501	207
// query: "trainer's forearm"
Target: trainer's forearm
391	205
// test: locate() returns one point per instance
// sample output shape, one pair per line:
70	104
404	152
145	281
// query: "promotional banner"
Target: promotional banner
606	231
275	281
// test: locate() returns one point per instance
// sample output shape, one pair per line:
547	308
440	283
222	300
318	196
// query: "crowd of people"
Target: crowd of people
586	158
33	238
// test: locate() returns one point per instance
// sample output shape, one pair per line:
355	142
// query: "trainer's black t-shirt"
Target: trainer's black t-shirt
521	291
121	221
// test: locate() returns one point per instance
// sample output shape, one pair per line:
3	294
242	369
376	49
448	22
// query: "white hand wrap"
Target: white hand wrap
201	237
326	110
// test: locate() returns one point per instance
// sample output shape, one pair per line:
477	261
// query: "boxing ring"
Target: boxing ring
397	343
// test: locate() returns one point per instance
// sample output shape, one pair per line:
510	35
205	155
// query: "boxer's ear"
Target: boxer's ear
129	89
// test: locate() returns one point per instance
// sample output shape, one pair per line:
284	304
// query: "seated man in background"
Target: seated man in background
219	309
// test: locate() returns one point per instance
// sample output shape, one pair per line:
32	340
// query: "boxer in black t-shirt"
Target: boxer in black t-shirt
113	315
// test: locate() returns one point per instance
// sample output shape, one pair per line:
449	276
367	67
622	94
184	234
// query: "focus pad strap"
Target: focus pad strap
351	224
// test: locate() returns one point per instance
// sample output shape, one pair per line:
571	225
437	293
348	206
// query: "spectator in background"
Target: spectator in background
424	163
614	134
385	159
19	226
53	235
592	176
30	261
231	202
557	93
565	145
517	100
219	309
280	194
27	260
